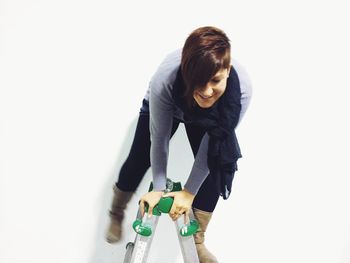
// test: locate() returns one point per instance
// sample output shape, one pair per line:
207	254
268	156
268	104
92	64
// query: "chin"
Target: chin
205	105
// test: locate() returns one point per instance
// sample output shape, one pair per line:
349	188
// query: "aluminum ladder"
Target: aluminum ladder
137	251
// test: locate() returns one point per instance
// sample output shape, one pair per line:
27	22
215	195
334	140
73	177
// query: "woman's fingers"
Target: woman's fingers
182	211
182	204
187	217
152	199
176	216
142	207
150	210
173	211
178	212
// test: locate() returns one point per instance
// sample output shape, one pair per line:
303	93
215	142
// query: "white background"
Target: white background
72	77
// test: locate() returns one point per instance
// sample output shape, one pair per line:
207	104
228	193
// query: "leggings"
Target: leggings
138	162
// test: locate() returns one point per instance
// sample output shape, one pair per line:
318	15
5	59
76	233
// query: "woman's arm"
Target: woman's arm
161	121
200	168
161	116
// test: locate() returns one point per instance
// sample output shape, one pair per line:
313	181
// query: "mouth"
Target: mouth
205	97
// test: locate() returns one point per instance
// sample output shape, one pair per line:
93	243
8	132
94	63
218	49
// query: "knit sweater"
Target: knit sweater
162	111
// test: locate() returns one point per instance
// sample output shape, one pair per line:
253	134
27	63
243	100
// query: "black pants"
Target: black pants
138	162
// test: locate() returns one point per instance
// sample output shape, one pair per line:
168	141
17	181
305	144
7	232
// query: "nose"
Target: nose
207	91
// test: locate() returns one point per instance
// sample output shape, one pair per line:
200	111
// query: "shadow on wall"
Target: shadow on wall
165	246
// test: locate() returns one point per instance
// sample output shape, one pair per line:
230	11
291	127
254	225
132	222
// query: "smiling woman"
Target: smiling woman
202	87
205	65
206	96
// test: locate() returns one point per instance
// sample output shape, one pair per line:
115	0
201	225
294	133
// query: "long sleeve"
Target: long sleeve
161	121
161	106
200	168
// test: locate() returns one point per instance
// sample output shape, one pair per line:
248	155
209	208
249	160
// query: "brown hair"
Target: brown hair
205	52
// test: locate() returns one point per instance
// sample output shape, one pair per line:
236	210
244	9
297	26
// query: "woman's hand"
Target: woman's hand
152	199
182	204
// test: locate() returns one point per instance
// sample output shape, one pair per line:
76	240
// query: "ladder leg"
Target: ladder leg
142	244
188	247
128	254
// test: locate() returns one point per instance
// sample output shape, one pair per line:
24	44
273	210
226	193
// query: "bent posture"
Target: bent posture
202	86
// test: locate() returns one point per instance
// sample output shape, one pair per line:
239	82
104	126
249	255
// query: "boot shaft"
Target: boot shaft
119	202
203	219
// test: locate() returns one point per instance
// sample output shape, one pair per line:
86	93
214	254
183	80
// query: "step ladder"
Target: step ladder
137	251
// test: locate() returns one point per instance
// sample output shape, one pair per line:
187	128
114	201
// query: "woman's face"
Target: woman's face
206	96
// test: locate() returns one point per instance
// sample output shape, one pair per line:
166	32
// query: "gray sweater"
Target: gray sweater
163	110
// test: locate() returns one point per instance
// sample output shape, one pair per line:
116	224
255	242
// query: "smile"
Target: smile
205	97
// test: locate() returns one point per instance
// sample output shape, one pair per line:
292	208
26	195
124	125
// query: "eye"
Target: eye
215	80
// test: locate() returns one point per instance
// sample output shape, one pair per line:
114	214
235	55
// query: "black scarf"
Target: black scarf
219	121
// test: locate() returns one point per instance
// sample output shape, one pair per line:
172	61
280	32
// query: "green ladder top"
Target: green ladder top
164	206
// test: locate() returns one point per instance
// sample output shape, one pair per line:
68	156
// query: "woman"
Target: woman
202	87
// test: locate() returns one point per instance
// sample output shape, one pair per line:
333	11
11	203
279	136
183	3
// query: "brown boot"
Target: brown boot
203	219
120	200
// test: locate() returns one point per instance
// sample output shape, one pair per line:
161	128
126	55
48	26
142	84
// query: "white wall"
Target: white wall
72	77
